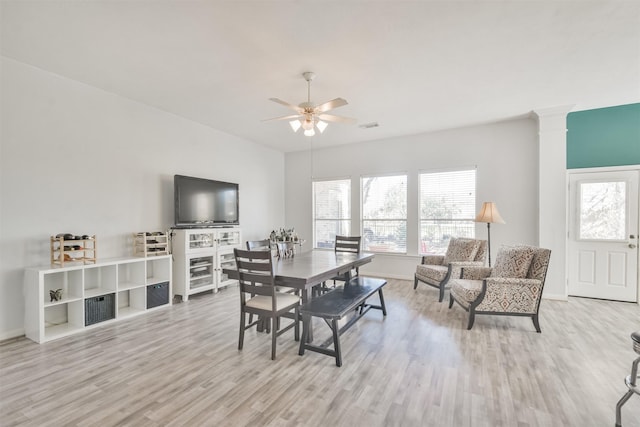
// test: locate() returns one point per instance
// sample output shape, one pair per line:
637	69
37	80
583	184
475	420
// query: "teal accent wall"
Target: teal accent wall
604	137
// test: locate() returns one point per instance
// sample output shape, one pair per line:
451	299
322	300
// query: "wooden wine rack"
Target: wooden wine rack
148	244
66	251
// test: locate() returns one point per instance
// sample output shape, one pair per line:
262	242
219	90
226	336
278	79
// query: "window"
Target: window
331	211
447	208
384	213
603	210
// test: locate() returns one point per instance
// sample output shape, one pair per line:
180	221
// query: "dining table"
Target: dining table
305	270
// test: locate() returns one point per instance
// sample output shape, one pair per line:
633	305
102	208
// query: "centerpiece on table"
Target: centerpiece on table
284	235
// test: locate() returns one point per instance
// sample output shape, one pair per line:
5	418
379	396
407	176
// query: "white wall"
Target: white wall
81	160
506	156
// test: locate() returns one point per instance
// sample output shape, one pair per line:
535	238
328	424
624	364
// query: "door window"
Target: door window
603	210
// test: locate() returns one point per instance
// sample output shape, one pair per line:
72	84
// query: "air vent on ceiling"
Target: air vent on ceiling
369	125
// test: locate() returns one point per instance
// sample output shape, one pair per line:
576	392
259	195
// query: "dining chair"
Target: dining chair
344	244
259	245
259	296
347	244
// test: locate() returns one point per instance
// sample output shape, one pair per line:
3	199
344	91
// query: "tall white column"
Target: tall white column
552	195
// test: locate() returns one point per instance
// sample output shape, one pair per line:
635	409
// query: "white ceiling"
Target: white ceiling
411	66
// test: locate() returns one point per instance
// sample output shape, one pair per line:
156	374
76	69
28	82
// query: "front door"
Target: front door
603	235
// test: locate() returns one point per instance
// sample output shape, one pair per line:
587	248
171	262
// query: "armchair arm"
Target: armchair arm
456	267
511	295
475	273
433	259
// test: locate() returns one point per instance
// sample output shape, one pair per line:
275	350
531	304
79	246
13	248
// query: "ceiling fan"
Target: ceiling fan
309	116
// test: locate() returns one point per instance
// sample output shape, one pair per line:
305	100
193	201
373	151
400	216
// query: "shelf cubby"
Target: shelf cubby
70	281
131	302
157	271
131	275
63	319
99	280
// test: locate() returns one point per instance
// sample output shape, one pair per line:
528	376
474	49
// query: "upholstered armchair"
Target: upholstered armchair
512	287
437	270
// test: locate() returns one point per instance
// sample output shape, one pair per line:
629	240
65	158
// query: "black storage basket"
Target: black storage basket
99	309
157	294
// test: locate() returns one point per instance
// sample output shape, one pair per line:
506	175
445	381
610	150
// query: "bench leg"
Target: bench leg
384	308
336	342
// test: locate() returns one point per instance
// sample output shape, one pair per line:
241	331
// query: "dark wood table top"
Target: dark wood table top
307	269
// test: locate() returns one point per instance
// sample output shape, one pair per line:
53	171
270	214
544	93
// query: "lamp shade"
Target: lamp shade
489	214
295	125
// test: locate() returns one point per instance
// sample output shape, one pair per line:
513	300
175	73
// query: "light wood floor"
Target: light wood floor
418	367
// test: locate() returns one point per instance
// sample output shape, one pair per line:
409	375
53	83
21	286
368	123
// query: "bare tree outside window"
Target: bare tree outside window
447	208
603	211
384	213
331	211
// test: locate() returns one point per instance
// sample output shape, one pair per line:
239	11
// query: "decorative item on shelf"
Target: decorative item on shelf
150	243
489	214
67	247
55	295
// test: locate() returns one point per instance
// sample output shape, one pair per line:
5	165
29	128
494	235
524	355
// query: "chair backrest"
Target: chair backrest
285	249
259	245
255	272
539	264
462	249
348	244
481	255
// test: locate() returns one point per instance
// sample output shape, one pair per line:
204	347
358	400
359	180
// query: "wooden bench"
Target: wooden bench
336	304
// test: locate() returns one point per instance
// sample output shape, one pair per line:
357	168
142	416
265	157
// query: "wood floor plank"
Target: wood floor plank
419	366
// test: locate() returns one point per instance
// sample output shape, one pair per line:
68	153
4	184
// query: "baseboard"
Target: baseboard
388	276
10	335
556	297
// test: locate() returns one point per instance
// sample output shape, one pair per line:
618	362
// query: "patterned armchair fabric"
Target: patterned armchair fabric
437	270
488	291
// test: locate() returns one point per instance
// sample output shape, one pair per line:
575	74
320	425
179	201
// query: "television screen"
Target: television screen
203	202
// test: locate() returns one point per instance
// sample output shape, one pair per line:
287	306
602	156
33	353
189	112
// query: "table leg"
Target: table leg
306	320
306	296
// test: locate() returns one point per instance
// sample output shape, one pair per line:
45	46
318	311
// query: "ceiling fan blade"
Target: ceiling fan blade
286	104
338	119
330	105
291	117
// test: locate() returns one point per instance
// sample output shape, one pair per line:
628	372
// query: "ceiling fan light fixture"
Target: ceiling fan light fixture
308	115
307	125
295	125
321	125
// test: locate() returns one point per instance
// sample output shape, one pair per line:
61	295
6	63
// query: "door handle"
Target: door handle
632	246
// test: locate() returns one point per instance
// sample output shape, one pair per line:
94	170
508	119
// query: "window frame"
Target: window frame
421	220
406	176
314	219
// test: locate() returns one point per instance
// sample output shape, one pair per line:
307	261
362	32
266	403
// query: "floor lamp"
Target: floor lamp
489	214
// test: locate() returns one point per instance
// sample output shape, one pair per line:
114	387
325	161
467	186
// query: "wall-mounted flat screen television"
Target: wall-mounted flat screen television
203	202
